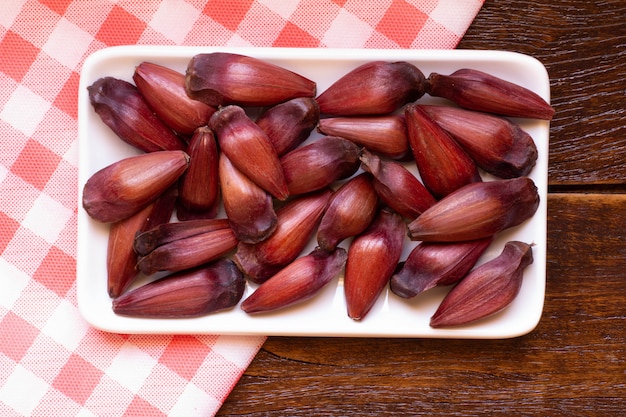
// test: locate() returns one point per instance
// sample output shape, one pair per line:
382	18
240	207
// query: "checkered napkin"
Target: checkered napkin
51	362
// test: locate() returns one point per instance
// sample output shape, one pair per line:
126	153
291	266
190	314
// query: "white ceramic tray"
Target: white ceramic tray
325	314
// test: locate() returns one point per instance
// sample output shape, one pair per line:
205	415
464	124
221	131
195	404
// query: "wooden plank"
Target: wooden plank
583	46
573	363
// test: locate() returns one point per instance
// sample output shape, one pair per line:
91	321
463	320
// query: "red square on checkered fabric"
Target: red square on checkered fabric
293	36
228	13
77	379
17	55
120	27
402	22
57	271
66	99
9	226
36	164
184	355
339	2
58	6
17	336
141	407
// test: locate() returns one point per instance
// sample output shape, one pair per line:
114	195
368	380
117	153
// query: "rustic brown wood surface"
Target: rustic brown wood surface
574	362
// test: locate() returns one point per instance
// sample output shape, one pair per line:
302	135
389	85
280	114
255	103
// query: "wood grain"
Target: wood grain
583	46
574	362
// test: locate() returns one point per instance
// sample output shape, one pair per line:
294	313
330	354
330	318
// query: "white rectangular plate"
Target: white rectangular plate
325	314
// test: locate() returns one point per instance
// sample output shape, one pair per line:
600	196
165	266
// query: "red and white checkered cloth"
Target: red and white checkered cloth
51	362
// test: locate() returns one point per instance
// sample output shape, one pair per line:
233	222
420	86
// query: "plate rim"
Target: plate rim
164	326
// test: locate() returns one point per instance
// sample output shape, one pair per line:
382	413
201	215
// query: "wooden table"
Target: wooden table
574	362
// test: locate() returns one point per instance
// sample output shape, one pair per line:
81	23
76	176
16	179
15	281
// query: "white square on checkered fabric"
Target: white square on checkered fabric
455	14
237	349
24	110
20	253
6	364
10	10
237	40
347	31
47	218
55	403
3	172
194	402
71	155
282	8
23	390
68	43
167	17
66	326
12	281
131	367
85	413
